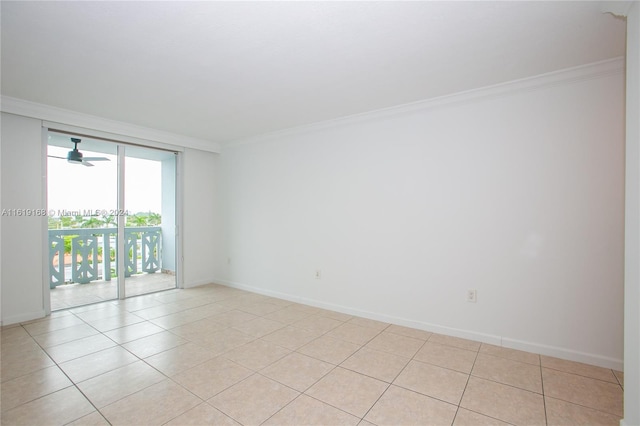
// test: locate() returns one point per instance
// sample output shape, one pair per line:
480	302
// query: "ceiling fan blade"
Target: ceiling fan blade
96	159
86	163
55	156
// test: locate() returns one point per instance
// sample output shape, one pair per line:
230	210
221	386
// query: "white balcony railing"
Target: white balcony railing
92	250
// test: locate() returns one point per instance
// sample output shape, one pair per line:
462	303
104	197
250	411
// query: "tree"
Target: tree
92	222
137	220
155	219
109	220
54	222
67	221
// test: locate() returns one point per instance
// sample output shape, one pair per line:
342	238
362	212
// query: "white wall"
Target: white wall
22	236
632	223
516	191
199	219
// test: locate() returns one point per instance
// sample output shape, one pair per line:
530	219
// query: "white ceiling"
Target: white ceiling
220	71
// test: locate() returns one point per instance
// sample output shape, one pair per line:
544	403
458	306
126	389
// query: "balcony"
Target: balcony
83	264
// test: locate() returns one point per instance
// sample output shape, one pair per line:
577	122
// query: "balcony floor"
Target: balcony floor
71	295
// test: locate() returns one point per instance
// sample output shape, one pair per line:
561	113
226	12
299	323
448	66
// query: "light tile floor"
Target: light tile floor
72	295
217	355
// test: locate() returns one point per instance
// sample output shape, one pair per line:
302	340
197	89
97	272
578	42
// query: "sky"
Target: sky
74	187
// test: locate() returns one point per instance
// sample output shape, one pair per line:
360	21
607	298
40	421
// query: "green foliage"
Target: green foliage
91	222
67	243
104	221
67	222
109	220
138	219
54	222
155	219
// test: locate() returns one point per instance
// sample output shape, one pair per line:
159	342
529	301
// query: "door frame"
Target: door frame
118	140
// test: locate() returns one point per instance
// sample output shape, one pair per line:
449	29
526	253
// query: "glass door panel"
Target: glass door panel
82	206
149	234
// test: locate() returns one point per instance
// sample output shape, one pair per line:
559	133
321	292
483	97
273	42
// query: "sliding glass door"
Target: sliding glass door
112	216
149	197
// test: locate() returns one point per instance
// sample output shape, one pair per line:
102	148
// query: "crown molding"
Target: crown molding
67	117
539	82
72	118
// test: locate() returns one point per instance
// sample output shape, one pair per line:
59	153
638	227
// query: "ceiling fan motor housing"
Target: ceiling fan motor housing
74	156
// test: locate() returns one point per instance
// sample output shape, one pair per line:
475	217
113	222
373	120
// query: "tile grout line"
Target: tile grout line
166	377
73	383
466	385
544	398
257	372
374	403
617	382
300	393
394	379
98	410
617	378
586	406
120	345
335	366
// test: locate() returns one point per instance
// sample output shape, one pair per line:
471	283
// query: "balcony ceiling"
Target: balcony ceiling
221	71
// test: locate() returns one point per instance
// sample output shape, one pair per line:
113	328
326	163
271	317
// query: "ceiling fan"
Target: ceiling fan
75	157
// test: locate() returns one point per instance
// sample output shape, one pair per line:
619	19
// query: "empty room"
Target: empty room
320	213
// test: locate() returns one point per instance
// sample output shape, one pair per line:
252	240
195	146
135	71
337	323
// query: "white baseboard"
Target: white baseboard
15	319
433	328
558	352
564	353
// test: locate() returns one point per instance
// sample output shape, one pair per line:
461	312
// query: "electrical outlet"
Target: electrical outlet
472	296
318	274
